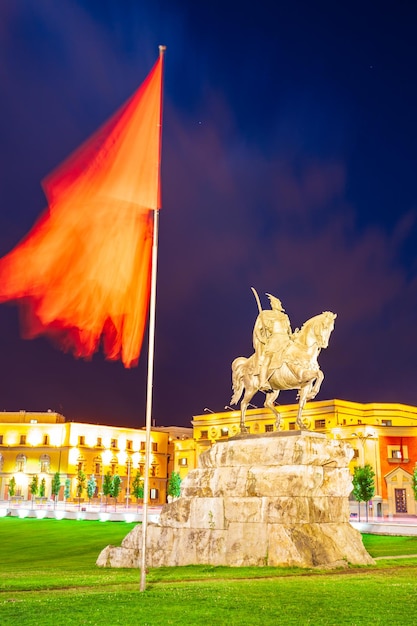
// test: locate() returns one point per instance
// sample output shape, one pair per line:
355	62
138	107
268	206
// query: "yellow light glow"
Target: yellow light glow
122	457
107	457
34	437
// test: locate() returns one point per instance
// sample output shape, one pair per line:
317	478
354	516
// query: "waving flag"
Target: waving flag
83	273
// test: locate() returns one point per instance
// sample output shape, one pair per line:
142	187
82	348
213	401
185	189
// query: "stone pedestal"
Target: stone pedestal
278	499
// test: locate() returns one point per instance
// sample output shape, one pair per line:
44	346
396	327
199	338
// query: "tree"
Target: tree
363	486
174	485
42	488
116	485
81	478
34	486
55	486
138	488
67	488
107	486
12	486
91	487
414	483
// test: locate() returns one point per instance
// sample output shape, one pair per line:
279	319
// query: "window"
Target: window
319	423
142	446
45	463
99	442
46	440
113	466
204	434
224	432
1	439
81	440
397	454
20	463
291	426
154	494
154	446
355	454
386	422
269	428
183	462
113	443
22	440
129	445
97	468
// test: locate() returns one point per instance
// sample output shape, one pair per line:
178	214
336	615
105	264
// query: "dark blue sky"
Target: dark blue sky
289	164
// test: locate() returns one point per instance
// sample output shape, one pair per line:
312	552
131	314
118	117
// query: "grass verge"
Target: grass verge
48	576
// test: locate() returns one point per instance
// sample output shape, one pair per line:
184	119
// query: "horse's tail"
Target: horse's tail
237	378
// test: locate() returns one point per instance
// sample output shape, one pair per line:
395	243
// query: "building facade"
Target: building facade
382	435
44	443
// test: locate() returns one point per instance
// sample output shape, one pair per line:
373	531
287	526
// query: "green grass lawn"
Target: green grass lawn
48	576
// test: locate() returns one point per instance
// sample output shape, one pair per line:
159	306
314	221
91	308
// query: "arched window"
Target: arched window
97	465
113	466
45	463
81	463
20	463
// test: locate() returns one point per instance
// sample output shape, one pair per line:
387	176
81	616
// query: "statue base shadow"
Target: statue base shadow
278	499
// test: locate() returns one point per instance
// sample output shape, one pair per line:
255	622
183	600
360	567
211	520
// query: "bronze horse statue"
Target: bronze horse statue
298	369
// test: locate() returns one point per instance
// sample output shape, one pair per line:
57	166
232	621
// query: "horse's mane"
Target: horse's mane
315	318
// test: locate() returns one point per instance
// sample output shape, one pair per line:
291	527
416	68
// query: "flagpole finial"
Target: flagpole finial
162	50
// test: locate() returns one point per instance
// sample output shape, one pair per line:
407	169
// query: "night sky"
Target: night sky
289	164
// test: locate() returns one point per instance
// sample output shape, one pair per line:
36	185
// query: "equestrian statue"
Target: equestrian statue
282	359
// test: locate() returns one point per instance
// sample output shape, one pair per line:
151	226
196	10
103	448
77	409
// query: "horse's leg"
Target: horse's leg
316	387
269	404
302	394
248	395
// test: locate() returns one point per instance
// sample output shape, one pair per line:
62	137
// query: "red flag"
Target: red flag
82	275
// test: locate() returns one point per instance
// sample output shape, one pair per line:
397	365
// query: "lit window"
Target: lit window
20	463
396	454
45	463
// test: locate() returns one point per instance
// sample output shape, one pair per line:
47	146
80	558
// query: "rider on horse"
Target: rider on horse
271	334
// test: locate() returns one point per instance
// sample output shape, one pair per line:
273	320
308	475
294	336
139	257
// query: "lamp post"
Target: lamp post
128	484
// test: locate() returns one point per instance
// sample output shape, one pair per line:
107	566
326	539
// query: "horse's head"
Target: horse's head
317	330
324	327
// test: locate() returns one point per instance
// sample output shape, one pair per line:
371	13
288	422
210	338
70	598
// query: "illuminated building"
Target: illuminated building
44	443
383	435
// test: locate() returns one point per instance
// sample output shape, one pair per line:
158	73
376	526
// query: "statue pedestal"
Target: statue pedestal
278	499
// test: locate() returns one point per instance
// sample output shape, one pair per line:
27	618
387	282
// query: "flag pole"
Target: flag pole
151	352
